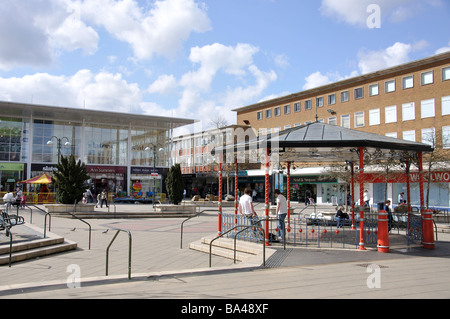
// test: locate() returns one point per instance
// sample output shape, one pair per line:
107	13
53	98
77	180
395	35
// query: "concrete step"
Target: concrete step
37	247
224	247
125	215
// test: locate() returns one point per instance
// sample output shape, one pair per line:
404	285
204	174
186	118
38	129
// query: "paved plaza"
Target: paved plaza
161	269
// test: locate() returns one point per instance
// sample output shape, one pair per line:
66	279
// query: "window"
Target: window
260	132
332	120
359	93
374	117
390	114
427	108
297	107
408	111
427	77
446	73
331	99
287	109
428	136
345	120
409	136
319	102
445	105
308	105
268	114
446	137
389	86
359	119
259	115
408	82
277	111
392	134
373	89
297	124
344	96
287	126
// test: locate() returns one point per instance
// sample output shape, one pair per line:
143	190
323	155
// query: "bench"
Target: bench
8	221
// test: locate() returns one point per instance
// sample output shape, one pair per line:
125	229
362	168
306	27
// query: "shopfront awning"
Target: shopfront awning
41	179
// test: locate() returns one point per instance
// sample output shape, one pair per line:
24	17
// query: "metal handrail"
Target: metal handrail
245	227
82	220
264	249
197	214
129	251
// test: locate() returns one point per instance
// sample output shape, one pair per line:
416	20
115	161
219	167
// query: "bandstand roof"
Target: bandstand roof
320	142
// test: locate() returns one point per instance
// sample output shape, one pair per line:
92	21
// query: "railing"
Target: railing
196	215
244	228
129	251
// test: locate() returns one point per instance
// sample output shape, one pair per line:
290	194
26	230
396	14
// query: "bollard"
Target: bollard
427	229
383	232
361	229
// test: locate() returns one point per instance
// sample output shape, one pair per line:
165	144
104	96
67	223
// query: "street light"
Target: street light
153	148
58	145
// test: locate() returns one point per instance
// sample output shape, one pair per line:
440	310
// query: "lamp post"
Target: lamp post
152	147
58	145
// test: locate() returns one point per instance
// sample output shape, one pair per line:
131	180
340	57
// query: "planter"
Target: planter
69	208
182	209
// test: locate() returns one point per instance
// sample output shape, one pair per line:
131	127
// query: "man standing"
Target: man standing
281	212
246	209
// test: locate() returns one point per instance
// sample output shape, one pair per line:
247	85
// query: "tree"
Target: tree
70	180
175	185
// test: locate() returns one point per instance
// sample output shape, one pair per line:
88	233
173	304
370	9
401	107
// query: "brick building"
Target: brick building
410	101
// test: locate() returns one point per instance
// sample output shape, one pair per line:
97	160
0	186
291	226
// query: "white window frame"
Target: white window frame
405	82
446	73
359	119
277	111
259	115
345	96
408	111
389	86
429	136
390	114
357	90
344	120
332	120
373	90
374	117
409	135
297	107
427	108
427	77
445	105
446	137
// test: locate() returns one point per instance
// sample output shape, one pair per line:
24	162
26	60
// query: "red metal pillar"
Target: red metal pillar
266	199
422	201
408	194
383	232
220	195
352	167
361	199
288	195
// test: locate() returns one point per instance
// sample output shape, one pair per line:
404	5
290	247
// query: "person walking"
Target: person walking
104	198
281	213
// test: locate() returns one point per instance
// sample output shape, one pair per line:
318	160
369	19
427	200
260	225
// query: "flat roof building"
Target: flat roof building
118	148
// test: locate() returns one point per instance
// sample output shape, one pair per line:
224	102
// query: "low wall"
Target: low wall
67	208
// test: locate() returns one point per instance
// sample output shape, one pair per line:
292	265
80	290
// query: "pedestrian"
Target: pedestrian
248	211
400	198
366	198
98	200
89	196
281	213
104	198
388	210
340	217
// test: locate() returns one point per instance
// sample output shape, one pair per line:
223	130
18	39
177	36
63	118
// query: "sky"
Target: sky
202	59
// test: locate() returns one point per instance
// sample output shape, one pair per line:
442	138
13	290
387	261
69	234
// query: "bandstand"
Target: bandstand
325	144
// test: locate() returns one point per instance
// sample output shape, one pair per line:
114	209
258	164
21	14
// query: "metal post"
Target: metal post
266	201
220	195
361	198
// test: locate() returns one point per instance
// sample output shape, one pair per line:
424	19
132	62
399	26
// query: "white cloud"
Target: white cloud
165	84
443	49
370	61
160	30
102	91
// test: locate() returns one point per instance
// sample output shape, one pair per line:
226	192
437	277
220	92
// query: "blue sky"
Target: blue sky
201	59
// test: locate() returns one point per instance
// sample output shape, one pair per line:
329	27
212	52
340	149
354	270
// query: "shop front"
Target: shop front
10	174
111	178
145	181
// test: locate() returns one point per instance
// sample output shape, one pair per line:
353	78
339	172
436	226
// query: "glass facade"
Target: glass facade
106	144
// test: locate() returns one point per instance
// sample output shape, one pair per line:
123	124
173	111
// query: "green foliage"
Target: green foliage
70	179
175	185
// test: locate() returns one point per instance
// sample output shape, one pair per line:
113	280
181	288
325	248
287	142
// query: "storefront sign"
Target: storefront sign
397	177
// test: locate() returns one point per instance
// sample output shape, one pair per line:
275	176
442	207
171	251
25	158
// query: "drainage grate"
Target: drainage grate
277	258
